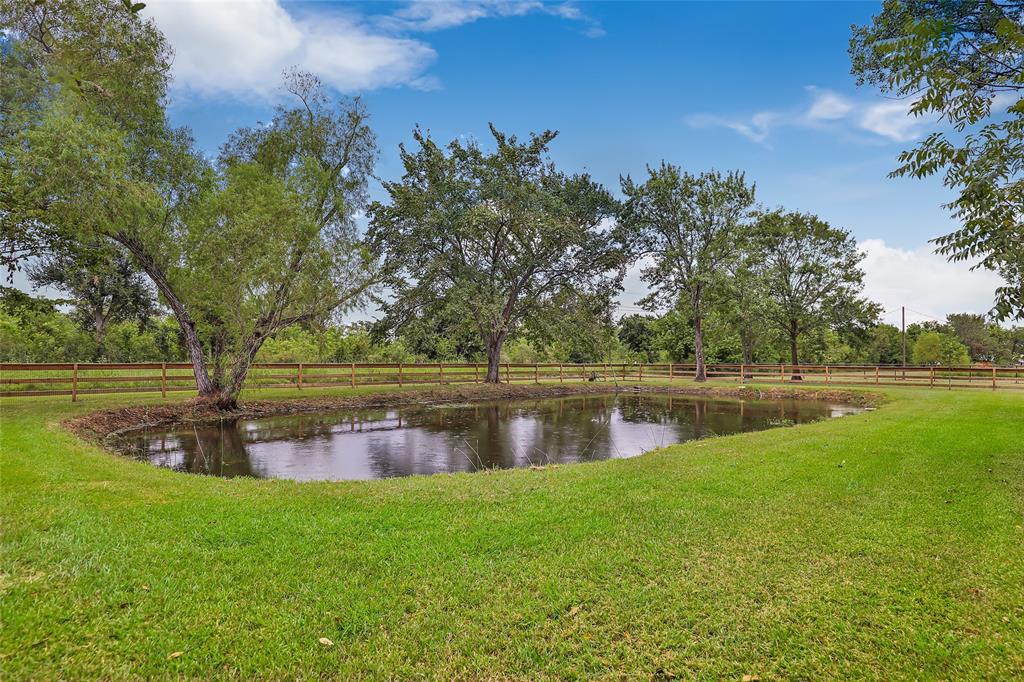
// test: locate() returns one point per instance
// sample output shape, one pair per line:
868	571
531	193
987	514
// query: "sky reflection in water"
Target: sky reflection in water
409	440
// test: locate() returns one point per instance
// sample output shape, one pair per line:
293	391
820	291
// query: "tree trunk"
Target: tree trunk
494	345
698	349
794	332
748	354
99	330
204	386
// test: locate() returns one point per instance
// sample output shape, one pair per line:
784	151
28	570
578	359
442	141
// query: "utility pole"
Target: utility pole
903	332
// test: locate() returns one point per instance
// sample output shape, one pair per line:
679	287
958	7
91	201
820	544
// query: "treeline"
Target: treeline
485	252
35	329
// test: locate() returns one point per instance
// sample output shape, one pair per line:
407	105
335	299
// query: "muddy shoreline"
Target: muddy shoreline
100	427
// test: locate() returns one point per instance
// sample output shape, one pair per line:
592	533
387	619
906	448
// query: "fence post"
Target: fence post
670	366
876	375
561	375
508	377
993	377
782	373
300	376
536	373
476	373
440	373
74	383
400	375
743	372
641	371
827	377
352	375
931	377
163	379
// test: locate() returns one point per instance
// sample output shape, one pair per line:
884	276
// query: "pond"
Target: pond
408	440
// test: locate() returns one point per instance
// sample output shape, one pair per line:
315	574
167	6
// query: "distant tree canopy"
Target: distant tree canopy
940	348
105	285
503	236
962	62
637	333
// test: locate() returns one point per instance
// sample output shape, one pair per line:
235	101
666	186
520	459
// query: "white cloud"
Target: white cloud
892	120
925	282
828	106
826	110
433	15
241	48
755	129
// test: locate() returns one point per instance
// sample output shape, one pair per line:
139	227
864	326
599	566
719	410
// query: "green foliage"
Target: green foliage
104	284
262	240
499	237
885	345
962	62
974	333
637	333
582	331
938	348
34	330
39	337
811	274
689	225
83	85
742	298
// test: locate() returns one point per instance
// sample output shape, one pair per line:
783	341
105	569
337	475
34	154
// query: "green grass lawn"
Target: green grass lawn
886	545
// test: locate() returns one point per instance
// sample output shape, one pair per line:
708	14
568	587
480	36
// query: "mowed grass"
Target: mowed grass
885	545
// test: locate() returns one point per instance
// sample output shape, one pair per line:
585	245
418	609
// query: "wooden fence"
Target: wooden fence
77	379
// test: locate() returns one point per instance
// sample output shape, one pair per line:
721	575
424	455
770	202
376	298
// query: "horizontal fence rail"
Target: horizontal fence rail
75	379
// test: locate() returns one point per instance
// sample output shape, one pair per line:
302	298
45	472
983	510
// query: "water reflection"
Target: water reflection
403	441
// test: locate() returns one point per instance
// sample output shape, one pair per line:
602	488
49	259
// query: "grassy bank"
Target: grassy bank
885	545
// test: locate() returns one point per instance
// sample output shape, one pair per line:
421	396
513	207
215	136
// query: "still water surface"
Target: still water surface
408	440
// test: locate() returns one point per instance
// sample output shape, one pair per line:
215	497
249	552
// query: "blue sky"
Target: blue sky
763	87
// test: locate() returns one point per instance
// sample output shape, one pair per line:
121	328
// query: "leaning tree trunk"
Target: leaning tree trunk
698	349
204	385
494	345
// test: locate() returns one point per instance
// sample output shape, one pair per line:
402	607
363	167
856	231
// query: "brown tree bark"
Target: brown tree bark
794	333
698	349
194	347
494	345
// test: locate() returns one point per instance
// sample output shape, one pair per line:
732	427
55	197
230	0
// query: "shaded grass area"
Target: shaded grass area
884	545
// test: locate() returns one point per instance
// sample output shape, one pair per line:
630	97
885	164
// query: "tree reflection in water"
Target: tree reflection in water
403	441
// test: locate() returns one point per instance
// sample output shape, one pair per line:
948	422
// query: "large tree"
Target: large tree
974	333
502	235
237	250
104	284
69	67
962	63
688	226
811	274
742	297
